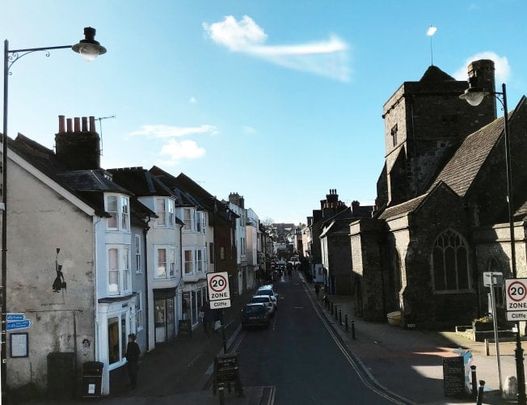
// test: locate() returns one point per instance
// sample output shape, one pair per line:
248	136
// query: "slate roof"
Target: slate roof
87	185
140	181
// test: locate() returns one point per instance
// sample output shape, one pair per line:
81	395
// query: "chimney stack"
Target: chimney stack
78	149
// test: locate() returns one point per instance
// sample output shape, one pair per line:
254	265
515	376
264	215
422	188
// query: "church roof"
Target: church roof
461	170
404	208
434	74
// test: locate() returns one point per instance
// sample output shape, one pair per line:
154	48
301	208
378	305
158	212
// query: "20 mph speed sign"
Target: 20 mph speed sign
218	286
516	298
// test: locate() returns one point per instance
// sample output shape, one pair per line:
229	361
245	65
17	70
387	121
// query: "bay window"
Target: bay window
118	206
119	281
187	218
166	263
165	211
189	262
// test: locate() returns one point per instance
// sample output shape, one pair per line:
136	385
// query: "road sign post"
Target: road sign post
219	297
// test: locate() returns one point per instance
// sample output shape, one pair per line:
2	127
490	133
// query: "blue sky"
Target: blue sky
279	101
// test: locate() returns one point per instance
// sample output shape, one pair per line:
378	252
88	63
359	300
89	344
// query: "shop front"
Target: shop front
165	314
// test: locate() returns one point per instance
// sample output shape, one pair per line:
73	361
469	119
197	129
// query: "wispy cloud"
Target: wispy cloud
501	66
179	150
168	131
193	100
327	58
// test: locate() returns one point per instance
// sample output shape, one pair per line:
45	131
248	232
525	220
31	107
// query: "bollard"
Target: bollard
487	351
346	323
474	381
480	392
221	395
336	313
340	316
353	329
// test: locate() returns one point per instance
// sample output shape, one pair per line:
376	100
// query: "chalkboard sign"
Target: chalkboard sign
185	327
453	376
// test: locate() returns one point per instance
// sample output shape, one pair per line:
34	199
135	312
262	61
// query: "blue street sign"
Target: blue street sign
15	325
15	316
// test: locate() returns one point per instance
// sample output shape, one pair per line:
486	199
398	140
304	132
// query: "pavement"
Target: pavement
408	364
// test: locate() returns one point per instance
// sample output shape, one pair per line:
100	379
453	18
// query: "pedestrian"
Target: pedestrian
132	357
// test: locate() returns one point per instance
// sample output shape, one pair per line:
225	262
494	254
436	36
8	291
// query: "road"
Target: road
298	356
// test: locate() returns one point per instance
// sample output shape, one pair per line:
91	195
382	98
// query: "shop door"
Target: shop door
160	320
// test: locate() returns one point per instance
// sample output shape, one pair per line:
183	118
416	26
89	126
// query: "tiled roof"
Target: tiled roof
139	181
463	167
403	208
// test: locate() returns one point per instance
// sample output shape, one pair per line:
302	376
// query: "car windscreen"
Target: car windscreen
253	309
265	292
260	299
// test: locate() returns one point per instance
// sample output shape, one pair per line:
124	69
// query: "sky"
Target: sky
279	101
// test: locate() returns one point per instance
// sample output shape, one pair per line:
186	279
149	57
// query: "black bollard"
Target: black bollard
474	381
221	394
353	329
340	316
346	322
480	392
336	313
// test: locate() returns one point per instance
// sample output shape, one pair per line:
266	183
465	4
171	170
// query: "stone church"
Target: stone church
441	216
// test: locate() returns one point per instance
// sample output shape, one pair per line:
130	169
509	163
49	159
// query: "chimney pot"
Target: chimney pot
76	124
92	123
69	125
61	124
84	124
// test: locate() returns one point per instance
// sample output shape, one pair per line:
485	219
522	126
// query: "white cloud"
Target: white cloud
168	131
179	150
501	66
327	58
193	100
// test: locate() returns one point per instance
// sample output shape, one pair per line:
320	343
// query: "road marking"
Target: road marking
274	323
353	362
271	395
298	307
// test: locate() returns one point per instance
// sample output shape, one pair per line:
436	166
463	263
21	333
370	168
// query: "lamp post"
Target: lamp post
89	49
474	96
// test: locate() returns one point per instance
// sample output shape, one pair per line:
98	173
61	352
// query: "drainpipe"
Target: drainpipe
146	308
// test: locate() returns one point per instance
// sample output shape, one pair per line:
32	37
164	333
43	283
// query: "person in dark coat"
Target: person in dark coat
132	356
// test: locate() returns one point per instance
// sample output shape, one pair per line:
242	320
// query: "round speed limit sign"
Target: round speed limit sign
516	294
218	286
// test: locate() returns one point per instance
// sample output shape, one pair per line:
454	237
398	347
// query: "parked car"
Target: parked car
268	290
255	314
266	300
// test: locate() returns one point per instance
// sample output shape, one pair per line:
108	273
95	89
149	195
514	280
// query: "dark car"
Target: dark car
255	314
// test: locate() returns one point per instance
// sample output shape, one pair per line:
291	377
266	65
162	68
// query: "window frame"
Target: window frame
170	263
121	214
124	273
448	233
138	254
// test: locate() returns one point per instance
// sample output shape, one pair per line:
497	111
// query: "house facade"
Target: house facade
78	289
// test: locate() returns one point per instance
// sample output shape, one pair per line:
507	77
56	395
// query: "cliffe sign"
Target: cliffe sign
516	299
218	286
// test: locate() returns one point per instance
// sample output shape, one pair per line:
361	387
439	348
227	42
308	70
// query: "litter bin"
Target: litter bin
91	379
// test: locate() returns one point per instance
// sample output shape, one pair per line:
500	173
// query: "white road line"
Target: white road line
350	360
271	395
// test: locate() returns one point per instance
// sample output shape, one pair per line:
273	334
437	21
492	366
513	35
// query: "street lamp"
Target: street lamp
89	49
474	95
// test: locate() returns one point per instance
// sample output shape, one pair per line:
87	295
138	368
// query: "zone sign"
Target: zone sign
516	294
218	286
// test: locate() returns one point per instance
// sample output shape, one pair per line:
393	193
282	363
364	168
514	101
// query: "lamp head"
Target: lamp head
88	47
474	96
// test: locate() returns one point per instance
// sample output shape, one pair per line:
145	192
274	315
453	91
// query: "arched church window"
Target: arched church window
450	267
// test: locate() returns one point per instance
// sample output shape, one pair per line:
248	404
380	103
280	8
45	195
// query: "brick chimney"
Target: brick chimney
78	145
237	199
481	75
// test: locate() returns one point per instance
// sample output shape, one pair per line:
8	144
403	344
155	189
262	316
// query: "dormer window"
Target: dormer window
118	206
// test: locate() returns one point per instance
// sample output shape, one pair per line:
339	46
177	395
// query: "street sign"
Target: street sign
15	316
17	325
219	304
516	299
492	278
218	286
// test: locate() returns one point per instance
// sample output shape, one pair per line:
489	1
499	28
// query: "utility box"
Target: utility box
92	379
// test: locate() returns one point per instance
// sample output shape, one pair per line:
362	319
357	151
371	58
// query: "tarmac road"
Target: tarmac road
300	358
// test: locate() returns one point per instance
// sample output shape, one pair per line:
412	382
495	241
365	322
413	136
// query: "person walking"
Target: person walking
132	356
